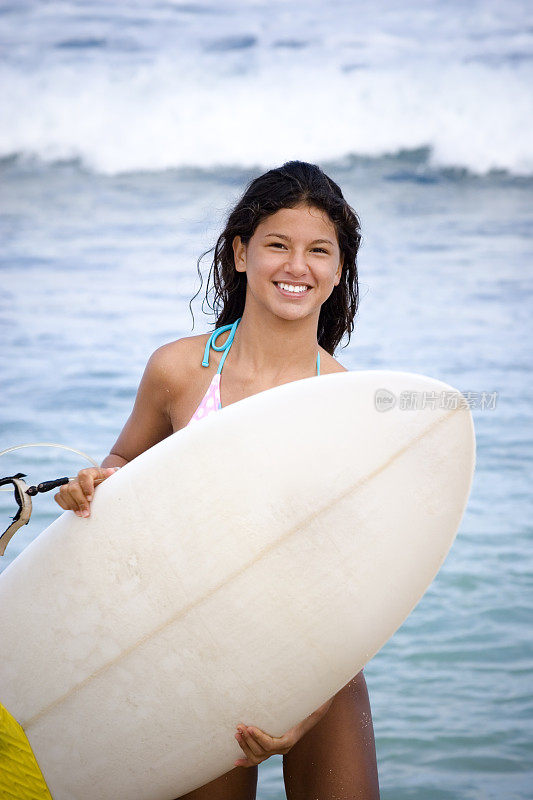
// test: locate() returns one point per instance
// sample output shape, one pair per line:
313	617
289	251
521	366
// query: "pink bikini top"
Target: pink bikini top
211	399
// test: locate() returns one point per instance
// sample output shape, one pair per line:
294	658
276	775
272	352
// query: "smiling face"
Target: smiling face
292	261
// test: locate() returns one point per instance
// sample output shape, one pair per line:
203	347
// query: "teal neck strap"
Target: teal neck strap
227	344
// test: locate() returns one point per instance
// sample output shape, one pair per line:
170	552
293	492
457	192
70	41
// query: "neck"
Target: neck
273	346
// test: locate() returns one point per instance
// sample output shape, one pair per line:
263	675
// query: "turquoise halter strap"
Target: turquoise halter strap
227	344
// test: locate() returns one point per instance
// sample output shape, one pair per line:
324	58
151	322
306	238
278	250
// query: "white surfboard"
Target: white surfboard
244	569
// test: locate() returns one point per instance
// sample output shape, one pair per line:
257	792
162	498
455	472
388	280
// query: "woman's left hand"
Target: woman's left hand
258	745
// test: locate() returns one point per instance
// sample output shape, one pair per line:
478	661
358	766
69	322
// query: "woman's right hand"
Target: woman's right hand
77	494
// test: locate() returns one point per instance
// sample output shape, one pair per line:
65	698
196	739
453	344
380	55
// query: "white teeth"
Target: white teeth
290	288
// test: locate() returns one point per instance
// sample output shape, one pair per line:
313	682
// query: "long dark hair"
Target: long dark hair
293	184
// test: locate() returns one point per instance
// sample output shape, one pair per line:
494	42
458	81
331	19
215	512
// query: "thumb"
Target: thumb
105	472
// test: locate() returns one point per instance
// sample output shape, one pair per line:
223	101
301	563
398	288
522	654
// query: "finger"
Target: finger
271	745
264	741
59	500
105	473
67	500
78	497
74	498
86	478
89	478
243	762
250	755
254	747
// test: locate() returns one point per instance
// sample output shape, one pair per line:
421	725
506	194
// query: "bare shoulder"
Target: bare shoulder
168	376
174	378
178	367
328	364
179	360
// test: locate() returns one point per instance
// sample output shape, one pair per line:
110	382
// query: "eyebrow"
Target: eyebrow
288	239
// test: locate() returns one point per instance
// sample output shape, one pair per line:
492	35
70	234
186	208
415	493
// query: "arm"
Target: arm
148	423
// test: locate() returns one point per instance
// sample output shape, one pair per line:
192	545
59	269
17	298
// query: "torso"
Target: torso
187	386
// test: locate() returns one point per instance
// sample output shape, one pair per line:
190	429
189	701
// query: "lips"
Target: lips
288	292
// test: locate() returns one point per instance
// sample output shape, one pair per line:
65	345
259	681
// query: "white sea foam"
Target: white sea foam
188	85
158	117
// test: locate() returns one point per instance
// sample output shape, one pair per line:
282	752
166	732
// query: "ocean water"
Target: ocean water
128	131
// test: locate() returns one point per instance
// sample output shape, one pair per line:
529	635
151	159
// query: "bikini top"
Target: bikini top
211	399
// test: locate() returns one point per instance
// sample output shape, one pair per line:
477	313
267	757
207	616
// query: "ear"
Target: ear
338	273
239	254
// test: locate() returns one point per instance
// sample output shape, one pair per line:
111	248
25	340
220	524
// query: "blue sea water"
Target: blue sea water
128	130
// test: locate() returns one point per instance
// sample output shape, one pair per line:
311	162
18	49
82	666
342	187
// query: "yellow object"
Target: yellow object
20	776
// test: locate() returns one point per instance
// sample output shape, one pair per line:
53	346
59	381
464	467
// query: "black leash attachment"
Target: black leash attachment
23	495
46	486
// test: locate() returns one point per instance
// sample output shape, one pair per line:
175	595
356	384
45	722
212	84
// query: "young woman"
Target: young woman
285	281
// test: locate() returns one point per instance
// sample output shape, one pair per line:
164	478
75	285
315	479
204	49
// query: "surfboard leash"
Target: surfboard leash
23	493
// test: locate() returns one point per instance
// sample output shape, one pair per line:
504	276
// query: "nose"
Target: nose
296	263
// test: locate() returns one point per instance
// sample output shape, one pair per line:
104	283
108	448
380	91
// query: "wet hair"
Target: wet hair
293	184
